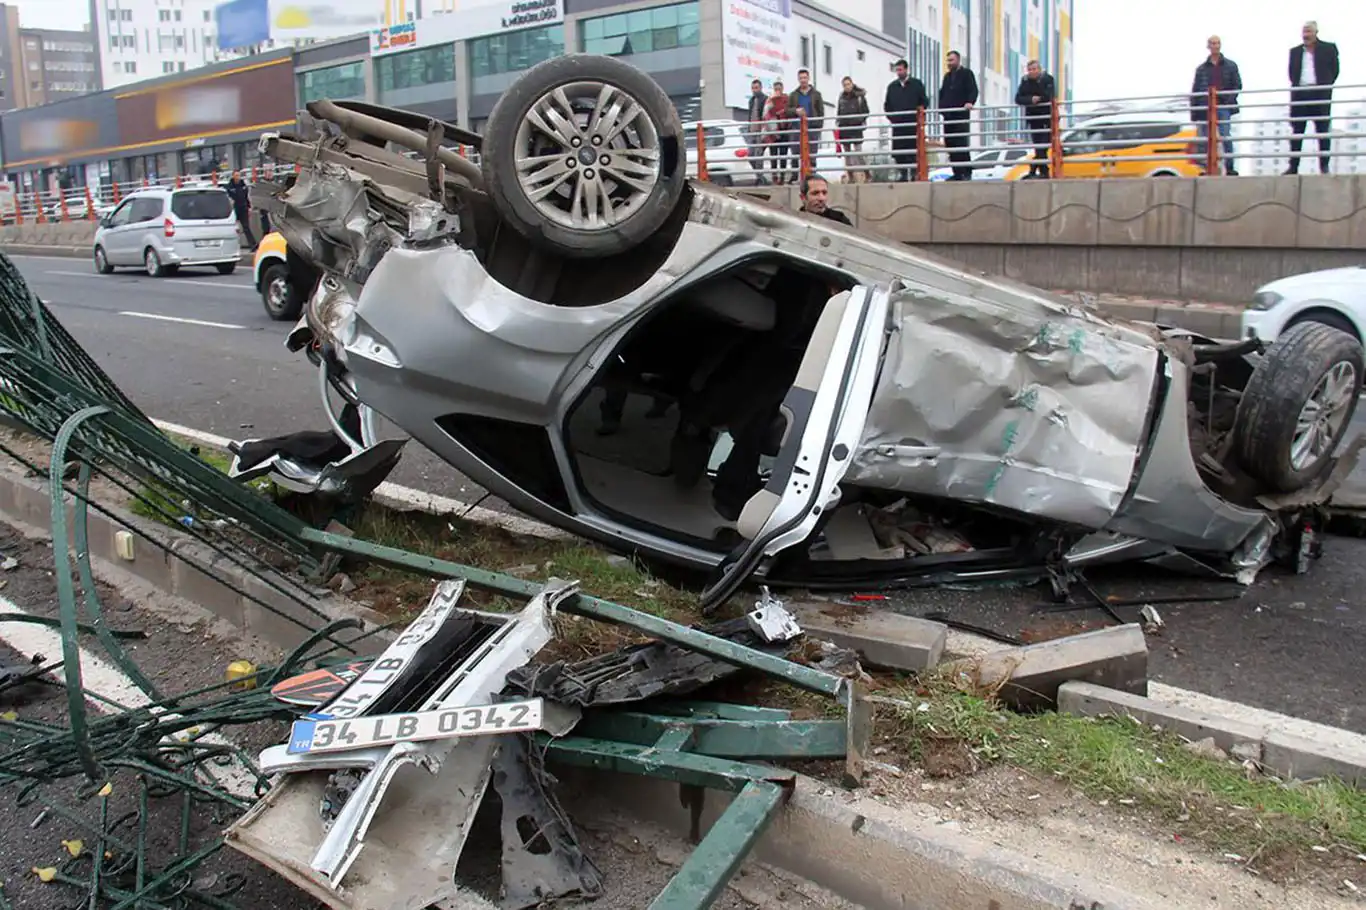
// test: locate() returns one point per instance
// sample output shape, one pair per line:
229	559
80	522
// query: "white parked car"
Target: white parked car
162	229
730	160
992	164
1335	297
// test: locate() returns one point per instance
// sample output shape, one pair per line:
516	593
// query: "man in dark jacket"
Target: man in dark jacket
1035	94
754	132
1313	71
852	117
806	103
816	200
905	95
1221	74
957	95
241	207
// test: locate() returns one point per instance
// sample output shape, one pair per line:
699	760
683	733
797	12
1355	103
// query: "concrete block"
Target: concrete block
201	582
1227	275
1116	657
986	258
1133	310
882	638
1147	271
272	614
970	212
1086	699
1056	211
1332	212
900	211
1214	321
1304	759
1245	212
1055	267
1148	212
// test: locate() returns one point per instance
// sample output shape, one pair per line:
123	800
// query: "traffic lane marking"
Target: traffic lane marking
168	283
180	319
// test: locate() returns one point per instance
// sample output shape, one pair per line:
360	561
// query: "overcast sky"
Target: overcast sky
1122	49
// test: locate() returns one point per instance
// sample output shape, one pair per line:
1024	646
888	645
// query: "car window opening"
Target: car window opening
679	429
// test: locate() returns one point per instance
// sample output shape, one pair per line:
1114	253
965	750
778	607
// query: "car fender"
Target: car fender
271	250
1287	312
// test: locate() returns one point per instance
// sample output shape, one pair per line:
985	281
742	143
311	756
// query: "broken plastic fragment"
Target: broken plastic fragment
771	621
106	789
45	874
74	847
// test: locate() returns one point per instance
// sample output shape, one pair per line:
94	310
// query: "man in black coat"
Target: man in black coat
957	95
1313	72
816	200
905	95
754	130
1035	94
241	207
1221	74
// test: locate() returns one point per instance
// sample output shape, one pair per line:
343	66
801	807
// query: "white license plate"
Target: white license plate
370	685
335	735
203	244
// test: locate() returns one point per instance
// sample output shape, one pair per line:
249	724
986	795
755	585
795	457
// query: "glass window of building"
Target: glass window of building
334	82
658	29
412	69
513	52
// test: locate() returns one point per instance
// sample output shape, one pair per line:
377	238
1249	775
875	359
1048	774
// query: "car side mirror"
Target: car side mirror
103	221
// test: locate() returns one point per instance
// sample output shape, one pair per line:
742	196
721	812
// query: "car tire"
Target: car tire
152	263
1297	405
278	295
542	202
1328	317
102	262
226	268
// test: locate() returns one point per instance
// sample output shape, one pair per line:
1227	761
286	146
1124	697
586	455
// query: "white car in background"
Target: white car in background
730	160
1335	297
992	164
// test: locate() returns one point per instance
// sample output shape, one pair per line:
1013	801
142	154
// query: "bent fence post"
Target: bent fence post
1212	131
922	148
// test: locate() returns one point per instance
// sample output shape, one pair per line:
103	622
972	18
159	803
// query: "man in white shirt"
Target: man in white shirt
1313	71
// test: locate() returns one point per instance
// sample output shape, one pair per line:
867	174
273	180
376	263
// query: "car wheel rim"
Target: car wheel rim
587	155
151	261
99	259
1321	419
275	295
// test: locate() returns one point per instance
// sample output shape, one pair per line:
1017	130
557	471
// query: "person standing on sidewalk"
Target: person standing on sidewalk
852	116
806	102
754	137
957	95
778	132
241	207
1313	72
905	95
1221	74
1035	94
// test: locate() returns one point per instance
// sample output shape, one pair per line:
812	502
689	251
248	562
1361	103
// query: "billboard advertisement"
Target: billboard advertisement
318	20
757	38
251	97
55	133
471	19
242	23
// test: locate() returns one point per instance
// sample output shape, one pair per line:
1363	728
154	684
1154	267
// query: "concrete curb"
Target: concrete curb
818	837
1333	753
76	252
872	855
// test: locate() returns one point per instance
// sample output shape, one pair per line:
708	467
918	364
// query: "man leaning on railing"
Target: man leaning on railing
1221	74
1035	94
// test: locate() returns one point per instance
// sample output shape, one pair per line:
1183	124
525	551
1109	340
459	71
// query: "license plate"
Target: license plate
202	244
336	735
378	676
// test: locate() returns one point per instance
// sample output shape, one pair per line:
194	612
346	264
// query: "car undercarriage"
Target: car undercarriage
698	375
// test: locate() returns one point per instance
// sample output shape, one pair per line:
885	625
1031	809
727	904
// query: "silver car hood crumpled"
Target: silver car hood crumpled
994	405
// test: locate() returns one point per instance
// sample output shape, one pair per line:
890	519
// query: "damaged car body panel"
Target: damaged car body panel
497	352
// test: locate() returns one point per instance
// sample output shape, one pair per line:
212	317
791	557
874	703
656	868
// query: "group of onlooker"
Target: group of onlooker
1313	72
779	120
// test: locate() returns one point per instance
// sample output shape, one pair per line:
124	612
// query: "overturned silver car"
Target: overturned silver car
698	375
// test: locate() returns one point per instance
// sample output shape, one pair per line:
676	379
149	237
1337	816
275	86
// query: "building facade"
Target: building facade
1263	144
143	39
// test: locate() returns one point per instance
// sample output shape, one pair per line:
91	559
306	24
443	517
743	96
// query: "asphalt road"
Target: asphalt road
197	349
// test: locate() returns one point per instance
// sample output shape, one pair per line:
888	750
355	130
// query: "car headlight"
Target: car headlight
1264	300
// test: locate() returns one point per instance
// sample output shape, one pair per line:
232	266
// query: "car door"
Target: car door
116	239
144	222
1084	153
825	411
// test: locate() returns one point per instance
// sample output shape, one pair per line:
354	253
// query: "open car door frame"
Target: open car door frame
826	409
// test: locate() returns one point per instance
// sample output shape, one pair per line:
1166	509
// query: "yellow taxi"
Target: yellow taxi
1128	145
281	298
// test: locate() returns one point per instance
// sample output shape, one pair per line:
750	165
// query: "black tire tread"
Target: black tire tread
1275	394
108	269
499	151
294	304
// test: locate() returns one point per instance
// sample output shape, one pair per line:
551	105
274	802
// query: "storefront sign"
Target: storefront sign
245	98
757	38
475	19
60	132
322	19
